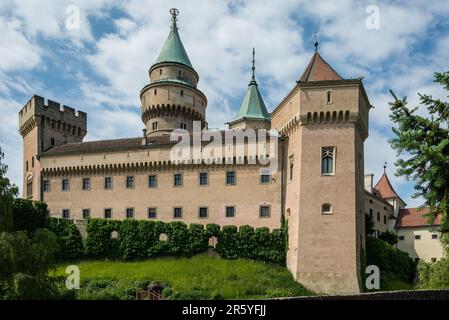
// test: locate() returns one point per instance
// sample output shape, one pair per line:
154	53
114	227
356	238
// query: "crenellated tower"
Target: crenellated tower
43	127
172	100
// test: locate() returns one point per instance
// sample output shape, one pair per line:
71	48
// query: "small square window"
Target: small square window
204	179
434	236
108	183
230	211
326	208
152	213
417	237
177	179
152	181
264	211
433	260
130	182
265	178
108	213
86	213
401	238
203	212
129	213
177	213
65	185
66	213
230	178
86	184
46	185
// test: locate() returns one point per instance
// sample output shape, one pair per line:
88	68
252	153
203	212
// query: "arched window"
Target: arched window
326	208
327	160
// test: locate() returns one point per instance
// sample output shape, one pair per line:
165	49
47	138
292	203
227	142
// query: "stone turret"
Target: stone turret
42	127
171	100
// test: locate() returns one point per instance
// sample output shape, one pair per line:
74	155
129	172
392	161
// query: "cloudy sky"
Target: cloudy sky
100	64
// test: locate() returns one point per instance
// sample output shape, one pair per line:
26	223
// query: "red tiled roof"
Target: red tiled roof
412	217
384	188
319	70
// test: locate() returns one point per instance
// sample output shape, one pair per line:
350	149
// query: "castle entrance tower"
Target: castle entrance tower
171	100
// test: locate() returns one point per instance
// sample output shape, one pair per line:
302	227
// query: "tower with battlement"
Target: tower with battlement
43	126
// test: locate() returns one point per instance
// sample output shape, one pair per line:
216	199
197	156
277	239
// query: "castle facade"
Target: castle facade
318	185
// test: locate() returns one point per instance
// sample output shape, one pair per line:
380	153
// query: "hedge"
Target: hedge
69	239
392	262
140	239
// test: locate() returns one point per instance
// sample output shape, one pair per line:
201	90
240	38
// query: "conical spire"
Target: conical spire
253	106
173	50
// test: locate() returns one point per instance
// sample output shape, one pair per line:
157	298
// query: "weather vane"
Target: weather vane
254	68
315	38
174	12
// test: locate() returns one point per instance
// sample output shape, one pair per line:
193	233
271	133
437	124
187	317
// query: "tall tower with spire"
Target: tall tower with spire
172	100
253	112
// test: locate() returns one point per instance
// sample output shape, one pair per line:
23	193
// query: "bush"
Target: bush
434	275
389	237
392	262
100	242
69	238
227	245
29	215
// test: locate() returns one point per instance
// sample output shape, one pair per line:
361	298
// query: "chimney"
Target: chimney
369	182
144	137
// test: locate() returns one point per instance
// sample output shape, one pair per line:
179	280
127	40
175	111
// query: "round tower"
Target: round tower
171	100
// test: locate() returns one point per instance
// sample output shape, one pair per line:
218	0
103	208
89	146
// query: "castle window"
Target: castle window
177	213
30	189
26	165
184	125
151	213
86	213
177	179
417	237
65	185
291	163
66	213
179	73
52	141
203	212
86	184
204	179
327	160
385	219
154	125
378	216
434	236
230	211
371	213
129	213
46	185
328	96
108	183
265	178
401	238
108	213
433	260
32	162
182	92
155	91
230	178
160	71
152	181
264	211
326	208
130	182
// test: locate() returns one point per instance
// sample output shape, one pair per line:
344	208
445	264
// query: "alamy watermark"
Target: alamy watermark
73	277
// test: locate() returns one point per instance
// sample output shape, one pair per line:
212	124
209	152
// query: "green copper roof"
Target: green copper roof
173	50
253	105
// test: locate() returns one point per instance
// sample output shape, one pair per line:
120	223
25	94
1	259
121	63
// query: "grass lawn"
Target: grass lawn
200	277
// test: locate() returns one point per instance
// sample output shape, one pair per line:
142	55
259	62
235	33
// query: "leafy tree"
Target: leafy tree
369	225
7	193
423	141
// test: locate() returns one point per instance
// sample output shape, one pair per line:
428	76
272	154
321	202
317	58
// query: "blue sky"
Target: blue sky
101	67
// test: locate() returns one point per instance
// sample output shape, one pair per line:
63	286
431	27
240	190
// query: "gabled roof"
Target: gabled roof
384	188
173	49
412	217
318	70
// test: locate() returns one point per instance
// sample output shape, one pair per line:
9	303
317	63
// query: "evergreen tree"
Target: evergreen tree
422	142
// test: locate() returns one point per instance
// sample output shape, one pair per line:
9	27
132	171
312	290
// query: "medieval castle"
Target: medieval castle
319	185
